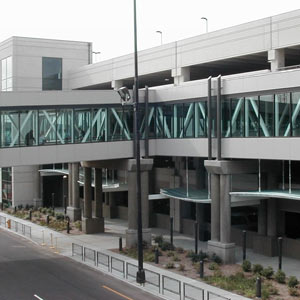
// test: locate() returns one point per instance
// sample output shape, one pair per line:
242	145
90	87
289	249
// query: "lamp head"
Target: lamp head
124	95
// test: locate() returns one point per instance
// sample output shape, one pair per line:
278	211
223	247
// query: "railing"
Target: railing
2	221
17	226
77	250
167	285
118	265
90	255
214	296
103	260
153	278
191	292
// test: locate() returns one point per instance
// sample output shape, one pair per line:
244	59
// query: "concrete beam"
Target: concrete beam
230	167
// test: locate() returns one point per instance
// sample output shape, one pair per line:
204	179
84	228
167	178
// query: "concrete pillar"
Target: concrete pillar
215	207
99	199
87	211
131	233
181	75
98	193
225	208
74	210
272	218
70	198
276	57
176	205
262	218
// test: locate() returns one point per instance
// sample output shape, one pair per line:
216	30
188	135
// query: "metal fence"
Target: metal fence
171	285
3	221
191	292
214	296
117	265
77	250
90	255
153	278
131	270
103	260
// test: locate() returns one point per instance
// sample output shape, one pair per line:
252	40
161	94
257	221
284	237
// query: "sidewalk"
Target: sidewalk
110	240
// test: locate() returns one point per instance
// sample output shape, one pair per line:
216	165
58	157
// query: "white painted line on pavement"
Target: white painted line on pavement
36	296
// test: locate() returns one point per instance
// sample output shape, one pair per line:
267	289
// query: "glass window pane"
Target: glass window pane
295	113
47	127
52	73
237	117
266	111
82	125
98	124
168	123
3	67
200	119
178	120
3	85
188	125
159	122
225	117
251	116
282	114
28	128
152	121
10	129
64	126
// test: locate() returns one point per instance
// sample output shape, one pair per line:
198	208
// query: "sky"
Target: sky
108	24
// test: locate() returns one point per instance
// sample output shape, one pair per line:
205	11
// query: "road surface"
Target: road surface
30	272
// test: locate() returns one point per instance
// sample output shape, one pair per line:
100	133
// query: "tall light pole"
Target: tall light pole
161	39
206	21
140	275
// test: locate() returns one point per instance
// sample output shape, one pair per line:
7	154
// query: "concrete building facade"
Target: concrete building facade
220	131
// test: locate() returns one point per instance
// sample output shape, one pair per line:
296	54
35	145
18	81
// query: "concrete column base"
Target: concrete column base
74	213
131	237
93	225
110	212
225	251
266	245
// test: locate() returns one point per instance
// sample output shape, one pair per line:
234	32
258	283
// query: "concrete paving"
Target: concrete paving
115	228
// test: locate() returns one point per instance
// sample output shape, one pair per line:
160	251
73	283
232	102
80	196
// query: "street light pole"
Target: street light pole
140	276
161	39
206	21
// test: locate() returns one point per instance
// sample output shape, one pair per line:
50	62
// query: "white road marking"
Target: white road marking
36	296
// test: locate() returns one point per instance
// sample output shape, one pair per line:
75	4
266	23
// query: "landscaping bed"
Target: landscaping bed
235	278
57	221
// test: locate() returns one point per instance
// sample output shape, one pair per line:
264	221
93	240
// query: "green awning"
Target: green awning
199	196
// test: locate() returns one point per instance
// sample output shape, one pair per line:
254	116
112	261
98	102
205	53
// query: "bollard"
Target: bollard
196	237
171	230
15	209
43	234
30	215
156	256
279	253
120	244
48	219
53	195
2	206
258	287
56	248
65	204
68	226
244	244
201	269
51	241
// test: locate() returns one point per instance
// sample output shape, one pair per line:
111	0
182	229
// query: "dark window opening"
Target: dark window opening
52	74
292	225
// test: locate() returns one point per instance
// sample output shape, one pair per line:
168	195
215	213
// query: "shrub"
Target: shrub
167	246
280	276
78	225
267	272
292	282
213	266
202	255
44	210
170	265
246	266
257	268
59	216
215	258
149	256
179	250
181	267
158	240
293	292
190	254
176	258
170	253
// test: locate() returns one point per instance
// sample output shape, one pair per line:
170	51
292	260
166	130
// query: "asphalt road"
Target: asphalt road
29	272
